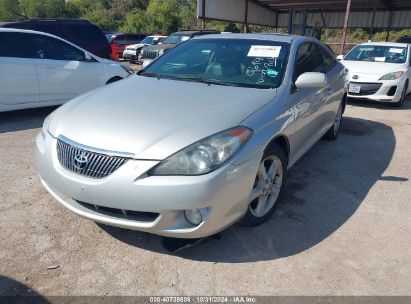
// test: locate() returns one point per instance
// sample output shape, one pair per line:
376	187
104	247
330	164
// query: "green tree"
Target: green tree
9	10
160	17
43	9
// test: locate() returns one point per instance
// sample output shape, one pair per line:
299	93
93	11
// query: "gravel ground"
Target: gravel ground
343	227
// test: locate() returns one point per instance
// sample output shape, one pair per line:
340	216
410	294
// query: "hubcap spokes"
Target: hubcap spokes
267	186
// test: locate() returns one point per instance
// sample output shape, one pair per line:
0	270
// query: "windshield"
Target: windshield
378	53
147	40
176	39
236	62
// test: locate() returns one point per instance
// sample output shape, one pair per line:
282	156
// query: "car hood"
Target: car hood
152	118
370	71
136	46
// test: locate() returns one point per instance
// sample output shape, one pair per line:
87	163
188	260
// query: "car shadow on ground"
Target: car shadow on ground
12	291
324	190
23	119
364	103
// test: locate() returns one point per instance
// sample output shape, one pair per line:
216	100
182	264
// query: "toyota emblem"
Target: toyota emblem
80	161
355	77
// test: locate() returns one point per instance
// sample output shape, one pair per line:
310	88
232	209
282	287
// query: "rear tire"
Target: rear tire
268	187
333	132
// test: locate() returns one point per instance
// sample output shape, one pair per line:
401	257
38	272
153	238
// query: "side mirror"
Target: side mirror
311	80
88	58
145	64
340	57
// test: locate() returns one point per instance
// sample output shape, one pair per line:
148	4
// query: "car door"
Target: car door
18	77
335	87
409	69
308	103
63	70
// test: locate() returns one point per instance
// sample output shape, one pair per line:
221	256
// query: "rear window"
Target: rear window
87	33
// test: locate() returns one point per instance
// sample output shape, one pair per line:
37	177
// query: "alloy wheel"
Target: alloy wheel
267	186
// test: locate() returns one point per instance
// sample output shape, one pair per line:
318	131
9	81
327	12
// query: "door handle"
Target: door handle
329	91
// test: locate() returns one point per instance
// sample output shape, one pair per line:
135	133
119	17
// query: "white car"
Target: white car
379	71
132	52
39	69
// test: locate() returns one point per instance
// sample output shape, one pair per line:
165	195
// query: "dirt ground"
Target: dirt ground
343	227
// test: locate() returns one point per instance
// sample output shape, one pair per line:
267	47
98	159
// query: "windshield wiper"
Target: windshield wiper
208	81
147	74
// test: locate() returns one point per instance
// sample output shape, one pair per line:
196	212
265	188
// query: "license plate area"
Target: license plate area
354	88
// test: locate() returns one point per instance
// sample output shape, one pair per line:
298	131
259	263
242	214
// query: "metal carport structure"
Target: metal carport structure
301	16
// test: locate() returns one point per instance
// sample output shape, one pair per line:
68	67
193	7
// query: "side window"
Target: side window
329	60
308	60
51	48
12	45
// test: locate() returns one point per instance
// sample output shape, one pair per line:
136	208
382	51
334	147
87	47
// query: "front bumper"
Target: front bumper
385	92
224	194
129	55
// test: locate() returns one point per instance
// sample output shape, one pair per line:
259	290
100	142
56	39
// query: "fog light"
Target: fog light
194	217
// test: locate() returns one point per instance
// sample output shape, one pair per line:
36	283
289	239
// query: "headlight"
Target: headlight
204	156
392	76
46	125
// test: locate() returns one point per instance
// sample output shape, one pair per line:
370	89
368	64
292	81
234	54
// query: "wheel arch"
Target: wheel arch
344	101
282	141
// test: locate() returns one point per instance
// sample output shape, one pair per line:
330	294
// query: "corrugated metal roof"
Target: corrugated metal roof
324	13
335	5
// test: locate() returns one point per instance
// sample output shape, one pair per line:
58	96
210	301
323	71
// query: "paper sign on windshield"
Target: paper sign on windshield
264	51
395	50
380	59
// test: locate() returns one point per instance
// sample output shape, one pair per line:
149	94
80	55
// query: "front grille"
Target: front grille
151	54
139	216
87	163
367	88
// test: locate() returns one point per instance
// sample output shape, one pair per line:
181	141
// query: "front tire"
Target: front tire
403	96
268	187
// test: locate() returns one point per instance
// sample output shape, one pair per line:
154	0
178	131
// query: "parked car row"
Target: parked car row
132	52
120	41
150	53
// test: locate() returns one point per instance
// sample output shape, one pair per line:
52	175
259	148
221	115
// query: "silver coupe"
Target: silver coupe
199	139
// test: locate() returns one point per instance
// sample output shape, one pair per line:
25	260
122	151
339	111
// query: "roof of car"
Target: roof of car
195	32
386	43
13	30
274	37
38	20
